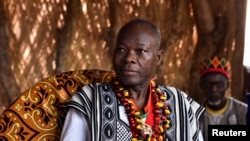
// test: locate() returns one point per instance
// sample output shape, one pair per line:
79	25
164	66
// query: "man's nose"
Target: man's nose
130	57
214	87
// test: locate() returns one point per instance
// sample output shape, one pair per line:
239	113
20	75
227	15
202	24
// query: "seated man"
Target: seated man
220	107
132	106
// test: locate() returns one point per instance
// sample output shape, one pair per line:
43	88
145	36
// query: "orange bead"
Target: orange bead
159	104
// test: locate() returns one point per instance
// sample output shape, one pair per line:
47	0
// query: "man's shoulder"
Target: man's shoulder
176	92
93	84
168	89
237	102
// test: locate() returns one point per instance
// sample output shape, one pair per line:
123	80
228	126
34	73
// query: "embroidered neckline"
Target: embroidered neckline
140	130
217	112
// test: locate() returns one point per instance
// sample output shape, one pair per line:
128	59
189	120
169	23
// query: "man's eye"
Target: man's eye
218	84
120	50
141	51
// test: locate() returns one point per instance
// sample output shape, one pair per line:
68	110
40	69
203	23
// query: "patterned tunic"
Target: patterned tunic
96	114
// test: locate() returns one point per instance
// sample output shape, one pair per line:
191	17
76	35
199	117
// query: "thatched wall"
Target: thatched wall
40	38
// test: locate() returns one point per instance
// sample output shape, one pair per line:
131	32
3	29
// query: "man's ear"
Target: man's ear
159	56
227	83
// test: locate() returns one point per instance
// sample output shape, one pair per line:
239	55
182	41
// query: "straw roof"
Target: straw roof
43	37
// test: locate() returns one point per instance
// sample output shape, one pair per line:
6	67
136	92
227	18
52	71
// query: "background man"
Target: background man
221	108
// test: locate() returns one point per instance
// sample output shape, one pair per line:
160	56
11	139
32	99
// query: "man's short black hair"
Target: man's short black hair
154	28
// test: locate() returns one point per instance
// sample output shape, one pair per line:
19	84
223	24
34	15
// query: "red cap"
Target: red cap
220	65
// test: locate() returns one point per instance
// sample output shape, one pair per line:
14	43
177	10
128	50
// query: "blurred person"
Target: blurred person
221	107
132	106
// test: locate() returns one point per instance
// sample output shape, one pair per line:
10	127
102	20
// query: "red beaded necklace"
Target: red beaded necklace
140	130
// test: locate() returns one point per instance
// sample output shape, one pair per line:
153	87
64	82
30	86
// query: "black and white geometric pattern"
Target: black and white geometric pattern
109	120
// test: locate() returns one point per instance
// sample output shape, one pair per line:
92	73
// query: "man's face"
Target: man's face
214	86
136	55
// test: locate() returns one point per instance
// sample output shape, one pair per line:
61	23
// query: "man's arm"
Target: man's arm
75	127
